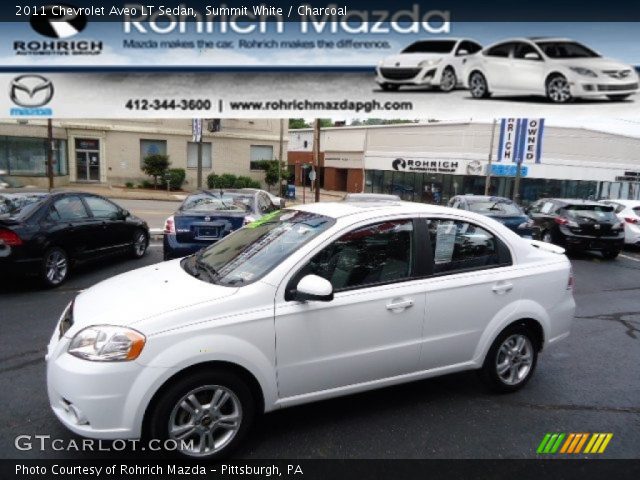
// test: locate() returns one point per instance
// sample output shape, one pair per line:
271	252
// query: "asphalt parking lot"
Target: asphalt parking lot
588	383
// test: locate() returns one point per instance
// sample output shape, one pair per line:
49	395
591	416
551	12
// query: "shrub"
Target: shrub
155	166
228	180
129	184
145	184
246	182
176	178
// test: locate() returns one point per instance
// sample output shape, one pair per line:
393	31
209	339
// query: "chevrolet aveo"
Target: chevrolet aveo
558	68
304	304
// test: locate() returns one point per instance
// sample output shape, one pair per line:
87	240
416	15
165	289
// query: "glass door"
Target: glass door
87	160
82	173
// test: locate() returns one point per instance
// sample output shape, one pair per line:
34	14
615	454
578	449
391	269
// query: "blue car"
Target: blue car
210	215
501	209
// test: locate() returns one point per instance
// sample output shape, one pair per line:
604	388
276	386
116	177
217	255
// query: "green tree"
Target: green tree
155	166
295	123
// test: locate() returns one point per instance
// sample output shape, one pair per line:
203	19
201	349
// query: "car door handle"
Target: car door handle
399	304
502	287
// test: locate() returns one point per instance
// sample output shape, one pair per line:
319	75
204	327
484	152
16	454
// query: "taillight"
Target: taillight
170	226
566	221
631	220
9	237
572	280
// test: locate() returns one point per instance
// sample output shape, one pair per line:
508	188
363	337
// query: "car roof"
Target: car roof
626	203
344	209
550	39
484	198
573	201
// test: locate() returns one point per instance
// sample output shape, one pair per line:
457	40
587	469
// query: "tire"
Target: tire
448	81
184	405
618	98
504	354
610	254
478	86
546	237
140	244
558	89
55	267
389	87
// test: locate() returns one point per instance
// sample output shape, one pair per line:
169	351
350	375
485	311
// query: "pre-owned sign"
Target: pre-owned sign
521	140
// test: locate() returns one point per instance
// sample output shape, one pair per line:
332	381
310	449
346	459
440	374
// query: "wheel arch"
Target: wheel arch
552	74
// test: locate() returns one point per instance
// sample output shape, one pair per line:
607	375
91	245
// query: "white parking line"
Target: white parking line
629	257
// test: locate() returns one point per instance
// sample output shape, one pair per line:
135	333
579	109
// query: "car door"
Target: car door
74	229
472	281
460	59
527	73
370	330
114	231
497	62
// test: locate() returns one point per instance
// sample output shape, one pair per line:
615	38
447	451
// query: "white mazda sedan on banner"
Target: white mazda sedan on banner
560	69
435	63
302	305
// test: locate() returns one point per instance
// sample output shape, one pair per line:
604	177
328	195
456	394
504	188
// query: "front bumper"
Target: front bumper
430	75
600	86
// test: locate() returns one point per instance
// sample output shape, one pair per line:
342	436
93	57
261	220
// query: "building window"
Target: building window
152	147
28	156
258	154
192	155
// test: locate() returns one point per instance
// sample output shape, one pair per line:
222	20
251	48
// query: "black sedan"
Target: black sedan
501	209
579	225
210	215
43	234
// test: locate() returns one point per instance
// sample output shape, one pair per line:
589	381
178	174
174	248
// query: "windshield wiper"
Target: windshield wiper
203	266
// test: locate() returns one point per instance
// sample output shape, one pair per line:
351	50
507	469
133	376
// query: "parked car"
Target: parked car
501	209
44	234
579	225
558	68
371	197
433	62
628	212
210	215
310	303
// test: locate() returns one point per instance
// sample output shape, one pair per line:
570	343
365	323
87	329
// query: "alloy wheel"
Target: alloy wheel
558	90
56	267
140	244
448	81
514	359
478	85
206	419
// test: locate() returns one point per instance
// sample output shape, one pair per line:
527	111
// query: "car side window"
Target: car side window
68	209
501	50
458	246
102	208
375	254
470	47
522	49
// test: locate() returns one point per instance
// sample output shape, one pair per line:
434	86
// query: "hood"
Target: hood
132	298
597	63
410	59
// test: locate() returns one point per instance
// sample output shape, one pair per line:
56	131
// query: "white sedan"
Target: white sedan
435	63
558	68
628	212
305	304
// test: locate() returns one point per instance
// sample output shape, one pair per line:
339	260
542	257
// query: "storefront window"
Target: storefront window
28	156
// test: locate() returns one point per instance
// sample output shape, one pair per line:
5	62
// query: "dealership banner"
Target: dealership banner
521	140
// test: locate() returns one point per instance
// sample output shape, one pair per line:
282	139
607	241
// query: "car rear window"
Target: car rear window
599	213
20	205
226	203
495	207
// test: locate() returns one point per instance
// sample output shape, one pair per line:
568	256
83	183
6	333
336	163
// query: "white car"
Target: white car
306	304
628	212
558	68
436	63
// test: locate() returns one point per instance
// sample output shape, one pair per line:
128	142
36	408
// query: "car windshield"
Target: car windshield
566	50
19	204
227	202
495	207
598	213
251	252
430	46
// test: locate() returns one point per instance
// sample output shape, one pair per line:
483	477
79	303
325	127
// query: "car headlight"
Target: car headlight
584	71
105	343
429	63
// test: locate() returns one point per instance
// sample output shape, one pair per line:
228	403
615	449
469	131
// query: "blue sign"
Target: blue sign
508	170
521	140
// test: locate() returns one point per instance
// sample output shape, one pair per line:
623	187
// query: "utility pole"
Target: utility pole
316	157
280	157
516	184
197	137
487	183
50	153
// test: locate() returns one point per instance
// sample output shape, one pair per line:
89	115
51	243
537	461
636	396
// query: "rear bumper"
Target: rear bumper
13	262
593	243
174	249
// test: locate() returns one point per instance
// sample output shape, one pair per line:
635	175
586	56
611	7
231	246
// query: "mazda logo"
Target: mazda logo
31	91
399	164
474	167
51	23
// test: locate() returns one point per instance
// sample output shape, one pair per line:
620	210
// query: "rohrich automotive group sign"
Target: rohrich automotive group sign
521	140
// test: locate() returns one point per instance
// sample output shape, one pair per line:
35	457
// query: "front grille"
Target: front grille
619	74
399	73
618	88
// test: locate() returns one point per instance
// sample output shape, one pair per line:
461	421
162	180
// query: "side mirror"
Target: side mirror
532	56
462	52
313	287
125	213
